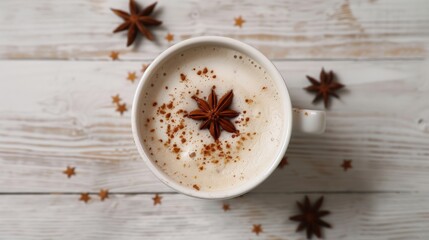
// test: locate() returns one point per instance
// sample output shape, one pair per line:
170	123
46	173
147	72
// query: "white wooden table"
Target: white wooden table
55	110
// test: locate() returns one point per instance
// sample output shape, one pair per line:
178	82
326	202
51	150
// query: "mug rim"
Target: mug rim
272	71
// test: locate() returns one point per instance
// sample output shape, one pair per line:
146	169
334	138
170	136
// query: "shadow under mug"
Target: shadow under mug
296	120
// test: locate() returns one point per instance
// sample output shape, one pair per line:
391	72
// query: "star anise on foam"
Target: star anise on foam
136	20
215	114
325	88
310	217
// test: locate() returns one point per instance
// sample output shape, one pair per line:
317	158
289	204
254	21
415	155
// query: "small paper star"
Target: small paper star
156	199
116	99
104	193
346	165
69	171
283	163
84	197
132	76
114	55
121	108
144	67
239	21
226	207
257	228
169	37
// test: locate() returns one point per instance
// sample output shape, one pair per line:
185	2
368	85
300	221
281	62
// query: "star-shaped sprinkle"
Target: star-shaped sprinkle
325	88
283	163
136	20
169	37
131	76
121	108
69	171
346	165
156	199
226	207
257	228
114	55
103	194
144	67
116	99
311	217
239	21
84	197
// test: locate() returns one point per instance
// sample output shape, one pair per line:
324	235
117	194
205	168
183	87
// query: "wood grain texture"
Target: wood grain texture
82	29
354	217
59	113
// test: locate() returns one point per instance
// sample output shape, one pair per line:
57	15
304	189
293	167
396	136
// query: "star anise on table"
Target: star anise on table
325	88
136	20
310	217
215	114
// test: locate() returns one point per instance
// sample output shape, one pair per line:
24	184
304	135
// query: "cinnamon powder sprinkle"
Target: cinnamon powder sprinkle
170	105
205	70
176	150
182	77
199	72
154	104
196	187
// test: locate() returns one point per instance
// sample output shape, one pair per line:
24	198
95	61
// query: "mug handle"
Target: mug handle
308	121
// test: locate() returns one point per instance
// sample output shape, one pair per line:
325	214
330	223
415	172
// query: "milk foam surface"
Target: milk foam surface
191	156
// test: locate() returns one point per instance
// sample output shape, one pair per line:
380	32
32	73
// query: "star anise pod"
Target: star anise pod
310	217
215	113
136	20
325	87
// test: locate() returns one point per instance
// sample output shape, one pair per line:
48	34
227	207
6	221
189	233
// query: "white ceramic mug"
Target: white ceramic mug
298	120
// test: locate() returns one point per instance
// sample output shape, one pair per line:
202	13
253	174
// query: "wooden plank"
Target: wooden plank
82	29
354	216
54	114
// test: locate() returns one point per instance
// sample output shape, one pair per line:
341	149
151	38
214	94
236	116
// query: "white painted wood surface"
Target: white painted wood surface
354	216
55	112
82	29
62	115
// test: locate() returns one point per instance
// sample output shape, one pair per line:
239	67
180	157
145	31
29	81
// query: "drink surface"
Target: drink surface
190	155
